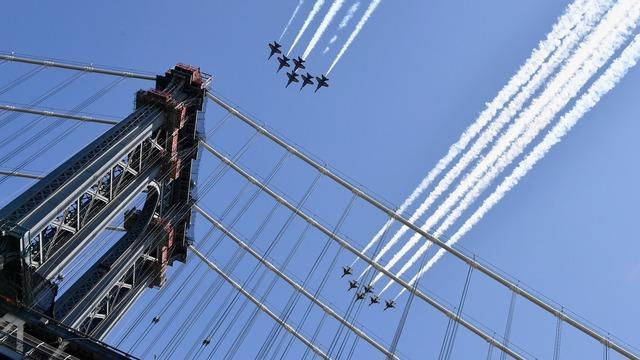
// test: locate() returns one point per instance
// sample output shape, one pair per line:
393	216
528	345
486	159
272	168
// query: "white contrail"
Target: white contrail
326	21
559	42
367	14
610	34
349	16
316	7
600	87
599	47
343	23
295	12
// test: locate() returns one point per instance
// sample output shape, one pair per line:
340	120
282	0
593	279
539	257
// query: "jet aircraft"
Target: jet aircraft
293	77
346	270
275	49
298	64
322	82
308	80
284	62
374	300
353	284
368	289
360	296
389	304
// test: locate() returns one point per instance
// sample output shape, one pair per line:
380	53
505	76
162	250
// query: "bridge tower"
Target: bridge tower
150	154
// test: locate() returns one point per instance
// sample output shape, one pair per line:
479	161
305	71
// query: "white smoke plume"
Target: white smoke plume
314	11
293	16
367	14
324	24
349	16
560	41
607	81
599	47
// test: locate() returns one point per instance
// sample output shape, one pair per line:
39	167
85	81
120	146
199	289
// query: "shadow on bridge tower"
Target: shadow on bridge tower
151	153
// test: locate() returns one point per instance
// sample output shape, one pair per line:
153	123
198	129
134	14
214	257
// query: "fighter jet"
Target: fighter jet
374	300
353	284
298	64
275	49
284	62
360	296
322	82
308	80
346	270
389	304
206	341
293	77
368	289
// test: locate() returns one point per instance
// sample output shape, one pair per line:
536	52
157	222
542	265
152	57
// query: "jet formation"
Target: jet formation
362	291
298	64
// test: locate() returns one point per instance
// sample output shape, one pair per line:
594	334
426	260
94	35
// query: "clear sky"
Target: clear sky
414	79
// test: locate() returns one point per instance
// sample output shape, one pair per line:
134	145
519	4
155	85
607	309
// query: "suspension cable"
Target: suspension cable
262	307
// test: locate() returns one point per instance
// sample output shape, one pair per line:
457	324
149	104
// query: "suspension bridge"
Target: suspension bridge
106	255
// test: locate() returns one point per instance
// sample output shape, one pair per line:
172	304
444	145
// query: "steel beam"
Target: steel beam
21	175
260	305
345	244
49	113
558	313
84	68
294	284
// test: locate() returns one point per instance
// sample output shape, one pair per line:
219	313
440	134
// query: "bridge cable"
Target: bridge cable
66	132
463	297
507	330
239	340
558	339
329	271
272	245
290	254
213	176
192	273
214	319
366	280
20	79
295	297
319	259
47	95
205	300
291	303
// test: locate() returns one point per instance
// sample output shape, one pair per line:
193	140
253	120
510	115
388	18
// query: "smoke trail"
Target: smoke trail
328	17
295	12
349	16
561	40
566	85
600	87
316	7
343	23
367	14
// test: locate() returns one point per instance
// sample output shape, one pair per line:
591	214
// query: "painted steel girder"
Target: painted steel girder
55	204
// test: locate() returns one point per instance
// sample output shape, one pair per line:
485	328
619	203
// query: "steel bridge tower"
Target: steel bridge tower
150	153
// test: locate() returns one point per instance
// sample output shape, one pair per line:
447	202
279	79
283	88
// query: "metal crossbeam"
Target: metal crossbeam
21	175
345	244
470	261
49	113
257	302
84	68
294	284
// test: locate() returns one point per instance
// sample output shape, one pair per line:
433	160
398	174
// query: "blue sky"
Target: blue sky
415	78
